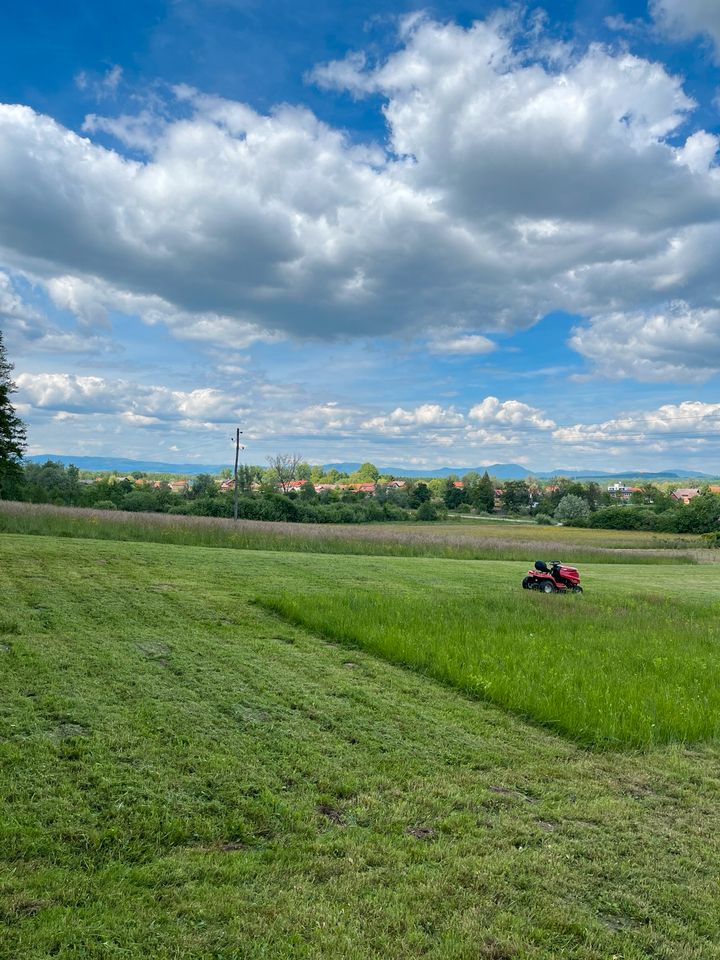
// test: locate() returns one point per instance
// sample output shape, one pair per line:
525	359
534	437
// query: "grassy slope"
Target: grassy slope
184	776
471	540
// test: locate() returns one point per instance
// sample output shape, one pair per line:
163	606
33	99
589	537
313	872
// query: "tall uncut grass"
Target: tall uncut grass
407	540
620	671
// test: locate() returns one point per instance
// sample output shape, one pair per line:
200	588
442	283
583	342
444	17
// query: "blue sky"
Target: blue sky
416	234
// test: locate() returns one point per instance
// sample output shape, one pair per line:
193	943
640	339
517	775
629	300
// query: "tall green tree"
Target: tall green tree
203	486
484	494
516	495
453	496
12	432
366	473
419	494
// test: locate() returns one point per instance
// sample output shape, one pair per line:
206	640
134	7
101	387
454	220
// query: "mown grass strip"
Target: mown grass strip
183	777
411	540
616	671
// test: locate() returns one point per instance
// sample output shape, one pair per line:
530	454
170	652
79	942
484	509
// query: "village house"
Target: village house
363	487
620	490
685	494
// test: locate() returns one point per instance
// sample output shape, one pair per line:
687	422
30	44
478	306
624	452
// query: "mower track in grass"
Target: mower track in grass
184	775
616	667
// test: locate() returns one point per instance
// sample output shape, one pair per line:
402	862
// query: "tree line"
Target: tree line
259	499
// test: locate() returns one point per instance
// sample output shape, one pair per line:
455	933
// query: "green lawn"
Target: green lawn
185	775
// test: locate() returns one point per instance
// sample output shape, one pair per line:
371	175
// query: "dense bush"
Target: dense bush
624	518
572	509
701	515
140	501
426	511
543	519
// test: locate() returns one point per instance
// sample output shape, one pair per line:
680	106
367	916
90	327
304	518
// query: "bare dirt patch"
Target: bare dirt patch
421	833
22	907
332	814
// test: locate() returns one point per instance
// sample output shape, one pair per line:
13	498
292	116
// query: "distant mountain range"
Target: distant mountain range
503	471
514	471
123	465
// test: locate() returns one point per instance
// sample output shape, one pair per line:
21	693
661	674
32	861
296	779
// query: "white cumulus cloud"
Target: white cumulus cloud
513	413
461	345
673	343
681	426
426	415
137	403
688	18
521	177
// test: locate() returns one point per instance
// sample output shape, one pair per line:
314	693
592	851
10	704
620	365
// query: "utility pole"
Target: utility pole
238	431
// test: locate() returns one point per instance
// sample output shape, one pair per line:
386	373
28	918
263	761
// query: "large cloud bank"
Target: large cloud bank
518	177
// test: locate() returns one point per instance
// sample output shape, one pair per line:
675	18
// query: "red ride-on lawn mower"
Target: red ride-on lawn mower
557	578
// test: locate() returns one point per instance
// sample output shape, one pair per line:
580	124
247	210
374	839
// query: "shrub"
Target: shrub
543	519
218	505
426	511
140	501
181	510
624	518
572	509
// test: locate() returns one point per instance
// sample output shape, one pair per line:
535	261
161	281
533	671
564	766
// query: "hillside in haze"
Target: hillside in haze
503	471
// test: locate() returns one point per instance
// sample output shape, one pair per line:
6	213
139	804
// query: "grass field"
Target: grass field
529	530
458	540
183	774
632	662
